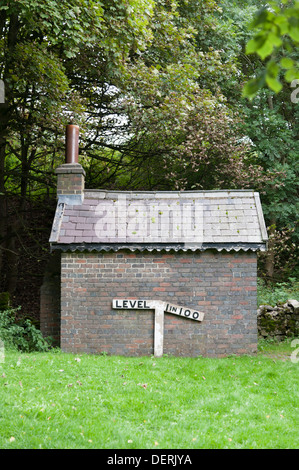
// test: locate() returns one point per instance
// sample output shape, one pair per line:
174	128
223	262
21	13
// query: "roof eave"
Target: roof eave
140	247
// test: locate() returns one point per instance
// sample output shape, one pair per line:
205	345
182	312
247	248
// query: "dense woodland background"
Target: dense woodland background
157	88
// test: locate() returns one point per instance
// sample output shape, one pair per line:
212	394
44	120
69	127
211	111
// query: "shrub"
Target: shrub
279	293
23	335
284	248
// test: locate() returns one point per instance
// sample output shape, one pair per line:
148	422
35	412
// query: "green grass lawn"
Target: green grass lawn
64	401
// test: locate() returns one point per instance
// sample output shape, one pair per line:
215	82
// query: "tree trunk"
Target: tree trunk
5	109
12	262
2	204
270	259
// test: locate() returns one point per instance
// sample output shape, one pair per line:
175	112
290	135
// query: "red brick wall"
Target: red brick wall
223	285
70	179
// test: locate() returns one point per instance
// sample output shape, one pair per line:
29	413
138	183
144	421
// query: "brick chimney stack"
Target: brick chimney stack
71	175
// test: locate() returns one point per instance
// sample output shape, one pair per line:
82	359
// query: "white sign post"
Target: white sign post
159	307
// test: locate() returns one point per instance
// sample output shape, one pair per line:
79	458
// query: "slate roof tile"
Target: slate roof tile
145	218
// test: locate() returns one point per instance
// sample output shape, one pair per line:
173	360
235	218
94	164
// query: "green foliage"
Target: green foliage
51	61
285	251
79	20
155	87
270	122
279	293
23	335
278	31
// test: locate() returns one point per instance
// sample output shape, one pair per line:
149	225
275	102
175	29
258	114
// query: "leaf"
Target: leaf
286	63
143	385
292	74
254	44
251	88
275	39
273	83
260	17
272	77
272	69
294	33
267	48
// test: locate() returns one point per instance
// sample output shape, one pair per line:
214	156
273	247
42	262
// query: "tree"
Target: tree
276	39
270	121
168	94
38	41
155	86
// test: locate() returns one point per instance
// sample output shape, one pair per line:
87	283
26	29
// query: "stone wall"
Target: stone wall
278	322
221	284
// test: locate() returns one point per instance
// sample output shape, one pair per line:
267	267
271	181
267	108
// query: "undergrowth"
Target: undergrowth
20	335
278	293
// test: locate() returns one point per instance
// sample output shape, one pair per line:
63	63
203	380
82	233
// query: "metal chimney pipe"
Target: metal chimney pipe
72	144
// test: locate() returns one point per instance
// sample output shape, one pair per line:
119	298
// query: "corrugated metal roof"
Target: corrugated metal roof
83	247
162	220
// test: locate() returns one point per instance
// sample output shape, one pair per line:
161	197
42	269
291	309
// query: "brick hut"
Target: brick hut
157	272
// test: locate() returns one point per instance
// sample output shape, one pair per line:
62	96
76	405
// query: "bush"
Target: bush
279	293
23	335
284	248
